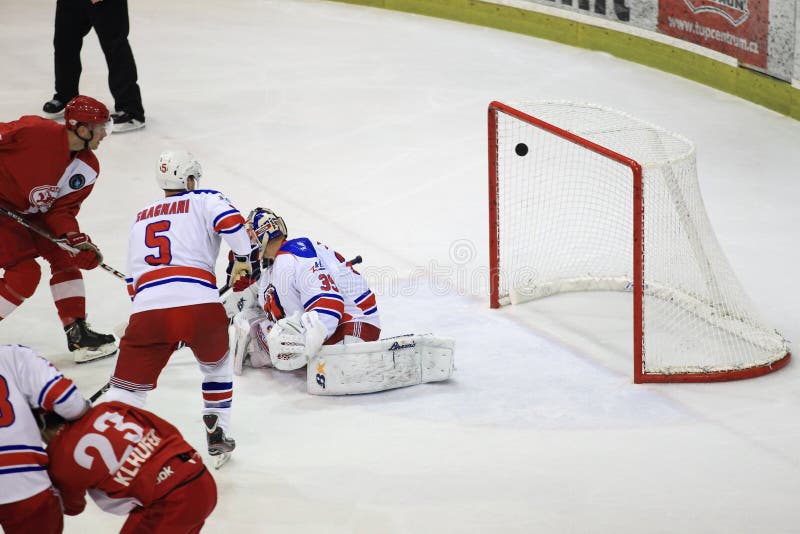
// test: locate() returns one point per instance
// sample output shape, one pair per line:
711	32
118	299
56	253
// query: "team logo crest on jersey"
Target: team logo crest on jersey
272	304
735	11
42	197
77	181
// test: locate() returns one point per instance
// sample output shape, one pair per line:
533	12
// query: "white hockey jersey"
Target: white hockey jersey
173	247
309	276
28	381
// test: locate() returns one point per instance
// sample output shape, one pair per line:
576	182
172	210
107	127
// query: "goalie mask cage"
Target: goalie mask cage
569	212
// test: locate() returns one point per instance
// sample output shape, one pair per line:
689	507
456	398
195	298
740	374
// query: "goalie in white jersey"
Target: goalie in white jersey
28	502
308	296
315	309
172	253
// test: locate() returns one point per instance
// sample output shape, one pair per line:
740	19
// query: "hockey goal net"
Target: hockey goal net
584	198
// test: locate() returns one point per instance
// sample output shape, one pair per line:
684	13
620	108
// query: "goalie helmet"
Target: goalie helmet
265	225
174	167
86	110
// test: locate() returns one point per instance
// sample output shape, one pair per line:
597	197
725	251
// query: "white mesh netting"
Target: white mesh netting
565	223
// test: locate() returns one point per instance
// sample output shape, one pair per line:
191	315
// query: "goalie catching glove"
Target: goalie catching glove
244	269
88	256
295	339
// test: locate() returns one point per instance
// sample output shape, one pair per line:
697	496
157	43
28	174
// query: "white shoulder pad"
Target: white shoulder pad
380	365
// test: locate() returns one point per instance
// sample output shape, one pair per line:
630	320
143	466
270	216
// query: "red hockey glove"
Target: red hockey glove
88	255
245	266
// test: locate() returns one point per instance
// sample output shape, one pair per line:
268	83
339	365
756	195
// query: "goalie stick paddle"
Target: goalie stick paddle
21	220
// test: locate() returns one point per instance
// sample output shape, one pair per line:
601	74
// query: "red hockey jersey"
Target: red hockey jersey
39	174
119	454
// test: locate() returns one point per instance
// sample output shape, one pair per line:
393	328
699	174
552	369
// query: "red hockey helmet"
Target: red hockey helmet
85	110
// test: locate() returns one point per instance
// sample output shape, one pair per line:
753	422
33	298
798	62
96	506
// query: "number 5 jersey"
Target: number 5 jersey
173	247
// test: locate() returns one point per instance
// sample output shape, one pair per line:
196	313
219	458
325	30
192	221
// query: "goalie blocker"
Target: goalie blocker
380	365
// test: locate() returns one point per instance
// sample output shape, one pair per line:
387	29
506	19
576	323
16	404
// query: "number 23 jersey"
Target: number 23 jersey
116	453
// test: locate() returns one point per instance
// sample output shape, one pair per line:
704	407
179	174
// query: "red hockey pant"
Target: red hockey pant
153	335
183	509
364	331
19	248
40	513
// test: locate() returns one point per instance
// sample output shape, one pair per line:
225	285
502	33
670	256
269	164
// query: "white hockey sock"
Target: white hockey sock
218	390
134	398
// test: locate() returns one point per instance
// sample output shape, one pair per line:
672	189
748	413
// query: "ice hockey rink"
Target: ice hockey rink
366	129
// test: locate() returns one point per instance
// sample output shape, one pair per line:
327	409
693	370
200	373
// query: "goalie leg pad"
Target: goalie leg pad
241	328
245	324
259	348
380	365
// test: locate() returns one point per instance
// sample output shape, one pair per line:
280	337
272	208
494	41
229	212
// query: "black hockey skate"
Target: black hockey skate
54	108
125	122
219	445
86	344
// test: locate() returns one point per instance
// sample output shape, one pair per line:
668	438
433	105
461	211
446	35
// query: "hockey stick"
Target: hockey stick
119	330
224	292
17	217
100	392
355	261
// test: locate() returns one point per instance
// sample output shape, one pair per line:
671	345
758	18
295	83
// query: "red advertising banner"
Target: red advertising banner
737	28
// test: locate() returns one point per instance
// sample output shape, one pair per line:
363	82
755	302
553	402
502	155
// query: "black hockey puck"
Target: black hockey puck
521	149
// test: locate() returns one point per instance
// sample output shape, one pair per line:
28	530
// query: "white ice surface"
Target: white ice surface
366	129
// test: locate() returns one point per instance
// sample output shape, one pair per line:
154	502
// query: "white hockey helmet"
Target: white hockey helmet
265	225
174	167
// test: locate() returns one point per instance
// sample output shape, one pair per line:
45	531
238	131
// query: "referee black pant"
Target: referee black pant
109	18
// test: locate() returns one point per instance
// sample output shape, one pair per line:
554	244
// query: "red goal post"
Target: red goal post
644	231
